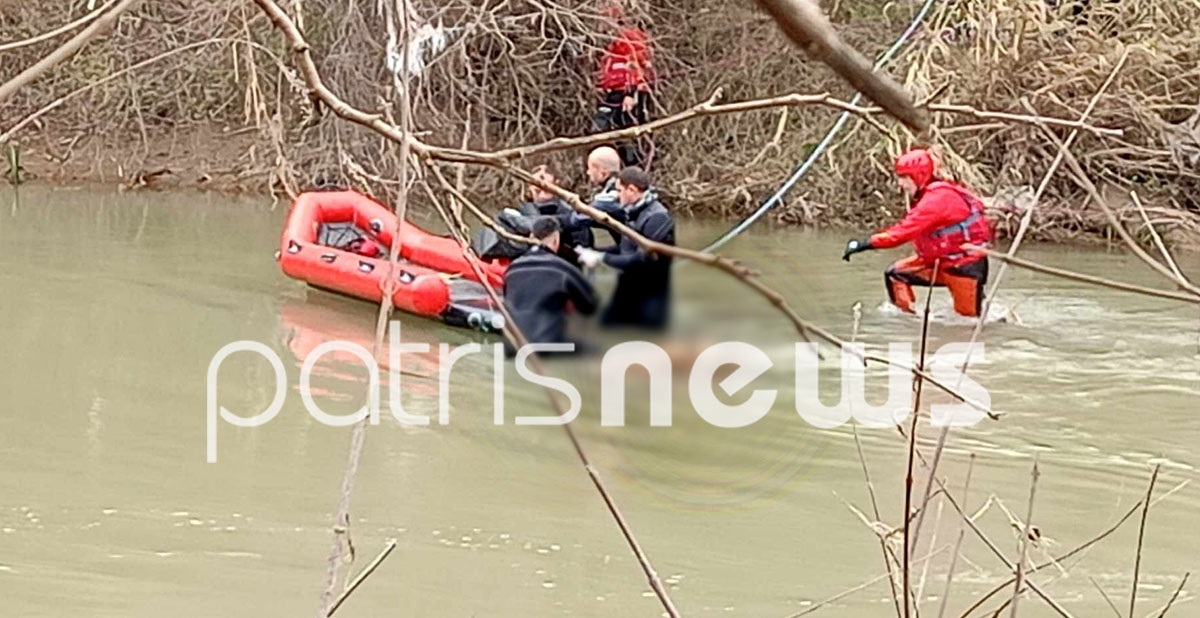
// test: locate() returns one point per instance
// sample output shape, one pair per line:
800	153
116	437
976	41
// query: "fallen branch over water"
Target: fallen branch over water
1082	178
1082	278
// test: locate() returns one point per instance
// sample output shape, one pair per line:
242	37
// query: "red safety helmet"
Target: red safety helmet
918	165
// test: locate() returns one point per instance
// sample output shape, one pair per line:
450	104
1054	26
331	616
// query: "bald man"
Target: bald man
603	165
642	298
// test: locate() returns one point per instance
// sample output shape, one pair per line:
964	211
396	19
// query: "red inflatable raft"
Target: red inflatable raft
340	241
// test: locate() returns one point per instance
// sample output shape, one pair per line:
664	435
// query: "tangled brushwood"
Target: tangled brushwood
205	94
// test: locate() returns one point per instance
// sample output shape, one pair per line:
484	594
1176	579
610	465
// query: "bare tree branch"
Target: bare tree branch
1137	563
1025	533
808	28
513	333
1082	278
45	36
66	50
1053	561
387	550
1174	596
1081	177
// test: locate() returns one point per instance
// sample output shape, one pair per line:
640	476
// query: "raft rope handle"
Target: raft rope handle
804	167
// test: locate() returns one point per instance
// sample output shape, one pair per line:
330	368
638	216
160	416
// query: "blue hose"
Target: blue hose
825	143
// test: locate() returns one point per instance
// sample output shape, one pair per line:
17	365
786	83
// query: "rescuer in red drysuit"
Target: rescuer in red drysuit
942	217
624	81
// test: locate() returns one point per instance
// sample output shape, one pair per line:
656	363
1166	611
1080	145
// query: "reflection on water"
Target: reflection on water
115	304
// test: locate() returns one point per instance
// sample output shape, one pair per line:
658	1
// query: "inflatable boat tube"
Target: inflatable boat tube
433	277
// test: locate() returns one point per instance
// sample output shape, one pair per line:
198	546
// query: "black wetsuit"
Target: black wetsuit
537	288
643	293
606	201
575	232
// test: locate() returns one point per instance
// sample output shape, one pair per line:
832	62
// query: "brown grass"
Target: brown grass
519	71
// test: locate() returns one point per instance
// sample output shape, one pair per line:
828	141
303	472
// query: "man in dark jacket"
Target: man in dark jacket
603	164
572	232
643	293
539	285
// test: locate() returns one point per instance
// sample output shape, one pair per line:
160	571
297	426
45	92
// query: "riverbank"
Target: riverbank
208	97
230	161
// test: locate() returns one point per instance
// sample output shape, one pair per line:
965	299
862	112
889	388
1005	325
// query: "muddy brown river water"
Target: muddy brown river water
113	305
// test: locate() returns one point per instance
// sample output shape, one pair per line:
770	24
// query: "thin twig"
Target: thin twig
1107	599
66	50
920	596
1082	278
862	458
362	576
1137	563
1053	561
1025	533
1032	118
477	211
1174	596
883	546
1158	241
514	335
999	554
962	532
867	584
45	36
912	442
1171	492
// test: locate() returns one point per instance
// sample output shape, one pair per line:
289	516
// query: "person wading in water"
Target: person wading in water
643	293
539	287
942	217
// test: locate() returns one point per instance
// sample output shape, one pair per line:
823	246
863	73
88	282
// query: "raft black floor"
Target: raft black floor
471	307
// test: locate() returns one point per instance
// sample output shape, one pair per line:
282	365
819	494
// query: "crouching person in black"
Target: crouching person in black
572	231
643	293
540	286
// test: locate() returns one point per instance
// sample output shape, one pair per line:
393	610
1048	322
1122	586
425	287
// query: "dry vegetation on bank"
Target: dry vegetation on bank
217	103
